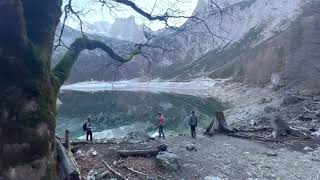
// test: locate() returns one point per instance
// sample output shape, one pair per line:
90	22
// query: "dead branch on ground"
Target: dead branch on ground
114	172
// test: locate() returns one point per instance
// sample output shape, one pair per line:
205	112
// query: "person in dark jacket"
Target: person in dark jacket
88	127
193	122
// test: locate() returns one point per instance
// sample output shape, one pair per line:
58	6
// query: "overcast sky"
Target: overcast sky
94	12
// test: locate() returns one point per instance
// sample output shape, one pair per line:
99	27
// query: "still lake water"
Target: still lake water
119	112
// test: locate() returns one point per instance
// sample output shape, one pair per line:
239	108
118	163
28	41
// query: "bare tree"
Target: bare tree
29	86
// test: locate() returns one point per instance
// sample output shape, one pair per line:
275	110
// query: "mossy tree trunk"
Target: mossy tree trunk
29	86
28	91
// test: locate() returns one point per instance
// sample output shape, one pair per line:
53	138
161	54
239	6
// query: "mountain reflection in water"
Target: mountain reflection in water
133	111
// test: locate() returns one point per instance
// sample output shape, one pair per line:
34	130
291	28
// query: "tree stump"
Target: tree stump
218	125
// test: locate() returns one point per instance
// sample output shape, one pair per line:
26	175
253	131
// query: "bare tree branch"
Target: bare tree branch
67	11
168	14
62	70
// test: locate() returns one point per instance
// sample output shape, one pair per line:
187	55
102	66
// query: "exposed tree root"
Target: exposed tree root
134	171
115	173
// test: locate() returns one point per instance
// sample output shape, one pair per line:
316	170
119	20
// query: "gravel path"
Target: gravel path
233	158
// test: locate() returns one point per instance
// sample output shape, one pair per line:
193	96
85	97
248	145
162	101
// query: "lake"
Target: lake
115	113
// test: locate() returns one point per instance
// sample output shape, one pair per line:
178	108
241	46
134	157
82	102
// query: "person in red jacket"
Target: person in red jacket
161	123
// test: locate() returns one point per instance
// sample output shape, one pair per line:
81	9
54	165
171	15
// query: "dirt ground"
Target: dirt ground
218	156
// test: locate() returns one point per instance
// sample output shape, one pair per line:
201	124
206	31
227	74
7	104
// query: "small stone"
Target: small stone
94	153
191	147
80	153
270	153
307	148
253	122
265	166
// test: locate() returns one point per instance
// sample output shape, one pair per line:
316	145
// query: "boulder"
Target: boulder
168	161
136	137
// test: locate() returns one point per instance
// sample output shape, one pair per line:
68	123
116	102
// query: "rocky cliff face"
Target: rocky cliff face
127	29
122	28
290	59
243	25
100	28
269	42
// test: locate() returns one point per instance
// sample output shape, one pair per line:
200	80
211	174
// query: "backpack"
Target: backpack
84	126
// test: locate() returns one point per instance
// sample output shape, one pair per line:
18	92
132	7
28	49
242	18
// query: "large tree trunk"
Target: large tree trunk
27	90
29	86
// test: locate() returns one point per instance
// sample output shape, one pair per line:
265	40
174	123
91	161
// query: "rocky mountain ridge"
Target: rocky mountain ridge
265	44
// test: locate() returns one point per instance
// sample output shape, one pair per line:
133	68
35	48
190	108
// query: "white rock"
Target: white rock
80	153
94	153
317	133
253	122
307	148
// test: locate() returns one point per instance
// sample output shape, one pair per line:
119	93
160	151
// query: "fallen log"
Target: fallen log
254	129
252	137
115	173
67	166
150	152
